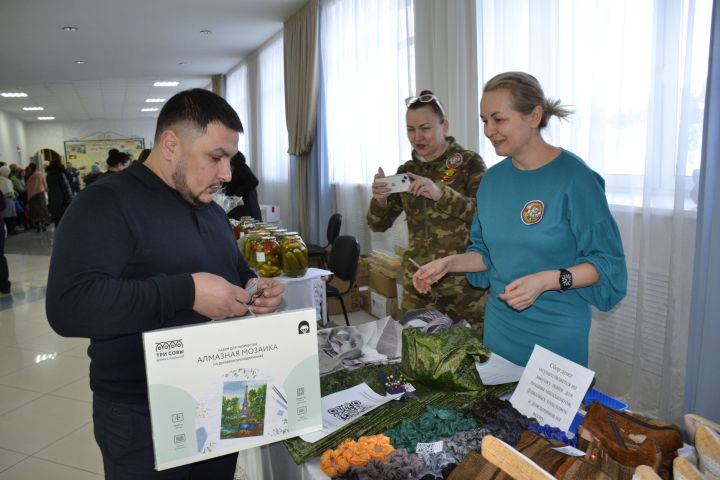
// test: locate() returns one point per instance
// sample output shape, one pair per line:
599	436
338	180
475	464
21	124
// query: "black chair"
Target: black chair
333	230
343	263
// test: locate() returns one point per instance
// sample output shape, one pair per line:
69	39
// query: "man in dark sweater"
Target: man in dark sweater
147	248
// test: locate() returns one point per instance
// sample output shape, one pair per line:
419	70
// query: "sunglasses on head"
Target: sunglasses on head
426	98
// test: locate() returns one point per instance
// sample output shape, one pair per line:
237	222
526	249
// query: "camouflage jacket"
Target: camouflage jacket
435	229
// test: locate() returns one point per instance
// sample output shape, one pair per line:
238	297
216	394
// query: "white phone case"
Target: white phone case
398	183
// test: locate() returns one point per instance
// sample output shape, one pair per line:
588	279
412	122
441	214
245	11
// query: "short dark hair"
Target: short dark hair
116	157
199	107
237	160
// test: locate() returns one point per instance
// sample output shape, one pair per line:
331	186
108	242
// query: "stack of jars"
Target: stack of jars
272	251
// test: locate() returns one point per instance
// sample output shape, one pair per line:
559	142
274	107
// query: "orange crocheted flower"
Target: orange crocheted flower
328	464
357	454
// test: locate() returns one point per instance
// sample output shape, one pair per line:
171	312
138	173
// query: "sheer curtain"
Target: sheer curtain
236	92
272	158
634	72
446	62
702	390
366	68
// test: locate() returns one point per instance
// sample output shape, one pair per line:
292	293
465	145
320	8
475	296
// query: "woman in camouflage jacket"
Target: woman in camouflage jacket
439	205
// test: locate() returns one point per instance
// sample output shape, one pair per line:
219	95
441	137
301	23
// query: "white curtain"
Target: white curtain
367	71
447	62
272	139
236	92
634	72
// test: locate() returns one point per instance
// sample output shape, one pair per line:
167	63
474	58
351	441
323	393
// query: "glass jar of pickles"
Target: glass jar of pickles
249	245
294	254
268	262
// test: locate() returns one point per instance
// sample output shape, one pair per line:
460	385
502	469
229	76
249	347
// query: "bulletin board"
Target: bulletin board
83	153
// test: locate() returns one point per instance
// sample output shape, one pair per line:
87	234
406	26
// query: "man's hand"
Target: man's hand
216	298
270	291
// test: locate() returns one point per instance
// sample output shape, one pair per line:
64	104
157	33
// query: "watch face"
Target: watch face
565	279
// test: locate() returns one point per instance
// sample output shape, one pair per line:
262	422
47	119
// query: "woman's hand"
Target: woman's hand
430	273
522	292
380	188
424	187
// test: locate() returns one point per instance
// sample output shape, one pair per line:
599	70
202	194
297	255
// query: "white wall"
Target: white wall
53	134
12	136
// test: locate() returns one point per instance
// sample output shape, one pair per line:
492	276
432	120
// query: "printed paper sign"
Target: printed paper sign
551	388
346	406
221	387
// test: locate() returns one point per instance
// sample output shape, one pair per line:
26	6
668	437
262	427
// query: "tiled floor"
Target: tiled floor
45	401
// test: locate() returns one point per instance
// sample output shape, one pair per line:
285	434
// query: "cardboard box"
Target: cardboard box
382	283
382	306
362	279
351	299
365	298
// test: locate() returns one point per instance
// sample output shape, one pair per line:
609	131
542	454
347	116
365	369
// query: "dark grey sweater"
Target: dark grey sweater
121	265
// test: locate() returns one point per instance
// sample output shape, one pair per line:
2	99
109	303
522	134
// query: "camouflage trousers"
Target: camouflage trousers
453	296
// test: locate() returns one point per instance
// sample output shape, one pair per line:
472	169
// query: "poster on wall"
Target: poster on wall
83	153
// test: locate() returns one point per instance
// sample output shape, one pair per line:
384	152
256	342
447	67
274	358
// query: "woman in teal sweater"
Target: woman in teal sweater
543	238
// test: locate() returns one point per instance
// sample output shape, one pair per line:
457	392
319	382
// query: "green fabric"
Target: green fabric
386	416
435	423
444	361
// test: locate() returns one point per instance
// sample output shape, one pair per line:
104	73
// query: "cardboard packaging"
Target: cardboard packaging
221	387
383	284
362	279
382	306
365	298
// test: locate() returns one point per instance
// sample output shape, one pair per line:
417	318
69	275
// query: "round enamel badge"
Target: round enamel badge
454	161
532	212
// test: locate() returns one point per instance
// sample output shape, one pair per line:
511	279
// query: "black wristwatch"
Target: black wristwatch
565	279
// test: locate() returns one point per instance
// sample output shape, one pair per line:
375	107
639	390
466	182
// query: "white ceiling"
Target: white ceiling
127	46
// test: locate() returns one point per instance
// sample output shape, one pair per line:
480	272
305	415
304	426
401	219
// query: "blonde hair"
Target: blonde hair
527	94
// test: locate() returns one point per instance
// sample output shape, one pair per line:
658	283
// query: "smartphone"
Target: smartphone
397	183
